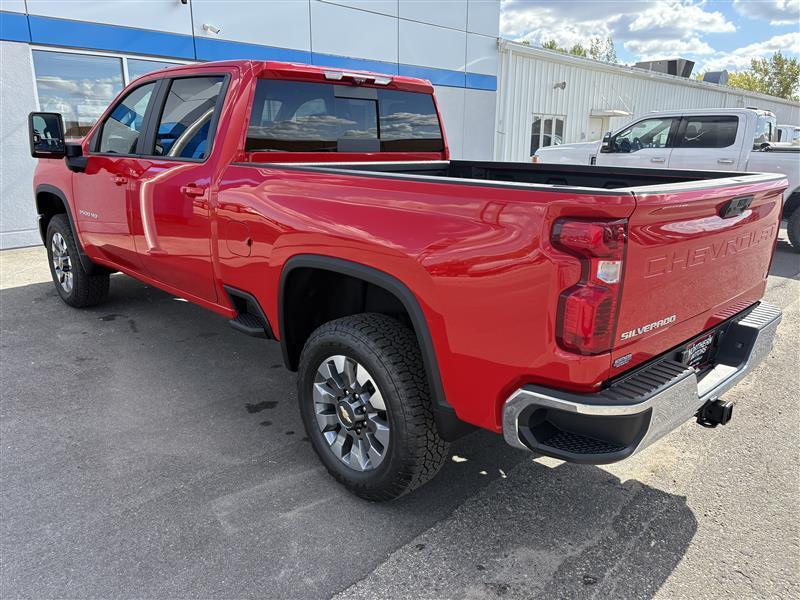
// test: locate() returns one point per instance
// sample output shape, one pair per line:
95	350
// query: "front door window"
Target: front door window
123	127
650	133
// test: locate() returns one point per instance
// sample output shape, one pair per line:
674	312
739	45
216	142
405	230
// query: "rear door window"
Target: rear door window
292	116
708	132
184	128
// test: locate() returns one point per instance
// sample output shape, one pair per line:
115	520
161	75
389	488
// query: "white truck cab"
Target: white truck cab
718	139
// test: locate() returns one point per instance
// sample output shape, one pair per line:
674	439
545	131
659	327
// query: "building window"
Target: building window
547	130
79	86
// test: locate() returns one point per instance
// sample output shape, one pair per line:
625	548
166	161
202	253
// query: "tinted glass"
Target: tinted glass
138	67
122	128
78	86
408	122
709	132
185	124
650	133
547	129
765	130
536	134
309	117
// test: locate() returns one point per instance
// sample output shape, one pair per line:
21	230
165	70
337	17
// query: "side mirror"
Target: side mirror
605	147
46	134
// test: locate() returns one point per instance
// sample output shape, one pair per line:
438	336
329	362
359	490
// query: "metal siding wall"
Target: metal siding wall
525	88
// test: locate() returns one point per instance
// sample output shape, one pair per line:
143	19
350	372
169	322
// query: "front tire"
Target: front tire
366	407
793	229
75	286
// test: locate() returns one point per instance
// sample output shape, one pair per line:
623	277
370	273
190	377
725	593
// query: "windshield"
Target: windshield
291	116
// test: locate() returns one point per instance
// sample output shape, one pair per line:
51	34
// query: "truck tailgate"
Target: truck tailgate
694	258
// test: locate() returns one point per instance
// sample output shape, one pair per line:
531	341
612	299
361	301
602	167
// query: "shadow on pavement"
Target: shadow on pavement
149	451
565	532
786	262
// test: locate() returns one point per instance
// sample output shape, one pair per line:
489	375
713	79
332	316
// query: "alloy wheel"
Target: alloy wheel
351	413
62	264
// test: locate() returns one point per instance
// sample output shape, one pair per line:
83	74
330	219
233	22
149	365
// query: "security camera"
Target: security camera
562	86
208	28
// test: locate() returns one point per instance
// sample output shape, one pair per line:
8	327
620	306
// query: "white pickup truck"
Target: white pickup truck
789	134
719	139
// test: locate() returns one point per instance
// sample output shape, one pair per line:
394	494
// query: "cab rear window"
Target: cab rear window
291	116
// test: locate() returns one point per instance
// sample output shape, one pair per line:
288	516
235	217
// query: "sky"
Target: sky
715	34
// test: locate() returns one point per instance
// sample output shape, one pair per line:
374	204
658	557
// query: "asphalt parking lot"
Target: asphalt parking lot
150	451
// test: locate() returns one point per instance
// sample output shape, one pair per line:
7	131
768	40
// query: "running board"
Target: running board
250	319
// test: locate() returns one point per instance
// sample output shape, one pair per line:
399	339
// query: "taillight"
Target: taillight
587	311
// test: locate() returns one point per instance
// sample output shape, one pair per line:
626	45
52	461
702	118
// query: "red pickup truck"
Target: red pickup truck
583	312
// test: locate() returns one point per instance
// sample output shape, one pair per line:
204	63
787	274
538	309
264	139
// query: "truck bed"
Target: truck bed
587	178
478	236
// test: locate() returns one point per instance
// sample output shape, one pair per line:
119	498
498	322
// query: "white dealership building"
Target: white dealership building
498	99
546	97
73	58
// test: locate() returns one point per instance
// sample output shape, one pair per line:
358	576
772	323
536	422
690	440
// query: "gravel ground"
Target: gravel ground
147	450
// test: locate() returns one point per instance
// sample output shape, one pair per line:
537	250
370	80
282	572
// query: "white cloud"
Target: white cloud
656	49
647	28
788	43
673	18
540	22
777	12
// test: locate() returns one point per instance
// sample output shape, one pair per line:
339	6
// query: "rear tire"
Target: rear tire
793	229
75	286
369	366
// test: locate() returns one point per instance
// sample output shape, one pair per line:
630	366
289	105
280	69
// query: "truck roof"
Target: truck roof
303	72
711	111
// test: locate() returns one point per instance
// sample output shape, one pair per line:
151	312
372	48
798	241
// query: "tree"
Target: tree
578	50
775	76
599	49
603	49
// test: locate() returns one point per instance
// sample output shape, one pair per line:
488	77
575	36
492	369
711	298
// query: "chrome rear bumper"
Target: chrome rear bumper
635	411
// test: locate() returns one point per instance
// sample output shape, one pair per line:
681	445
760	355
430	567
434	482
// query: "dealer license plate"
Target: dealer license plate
700	352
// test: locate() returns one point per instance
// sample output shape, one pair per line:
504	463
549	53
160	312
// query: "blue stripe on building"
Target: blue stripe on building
98	36
14	27
18	27
435	76
212	49
357	64
478	81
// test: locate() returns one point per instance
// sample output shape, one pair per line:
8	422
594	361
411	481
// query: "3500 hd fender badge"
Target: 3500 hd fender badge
649	327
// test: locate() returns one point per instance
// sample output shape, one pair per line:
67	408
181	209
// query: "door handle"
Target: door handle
725	161
658	159
193	191
119	180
